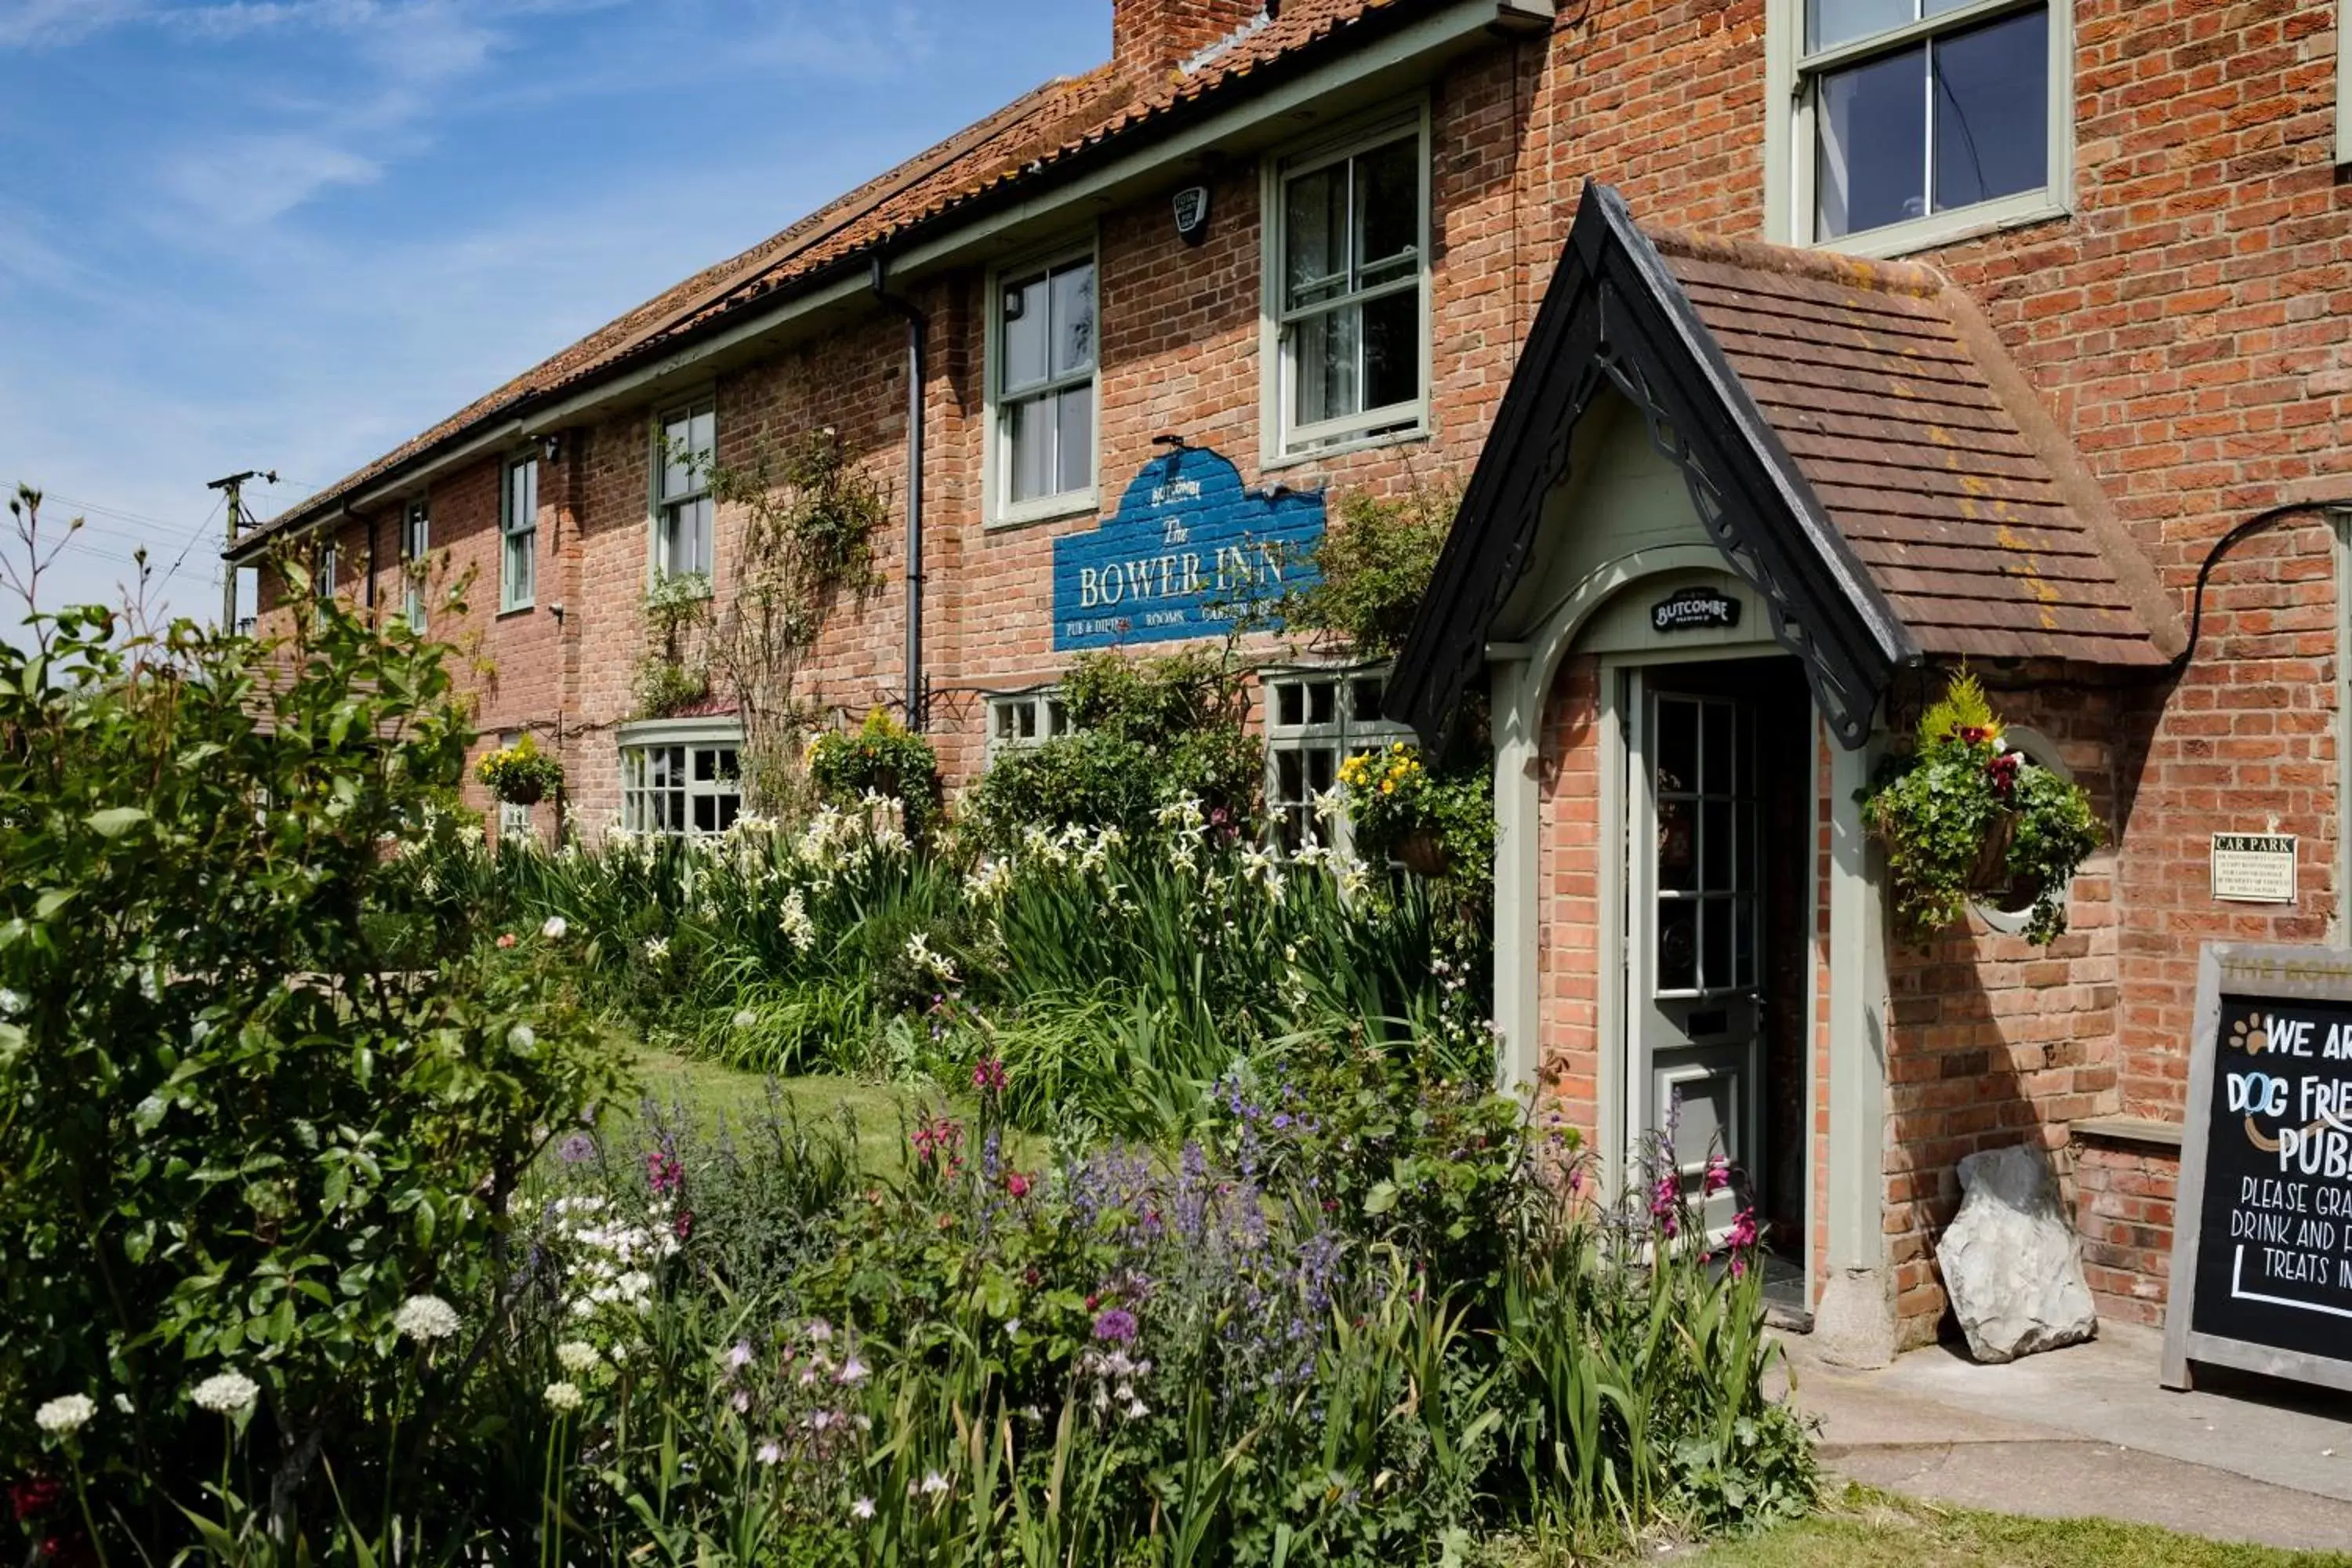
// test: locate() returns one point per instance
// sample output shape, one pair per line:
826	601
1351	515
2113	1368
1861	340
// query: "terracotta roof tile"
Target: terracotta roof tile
1025	140
1954	488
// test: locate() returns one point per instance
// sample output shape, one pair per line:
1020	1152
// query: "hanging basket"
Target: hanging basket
526	791
1424	854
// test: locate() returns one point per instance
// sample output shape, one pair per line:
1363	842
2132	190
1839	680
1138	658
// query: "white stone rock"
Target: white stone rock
2012	1265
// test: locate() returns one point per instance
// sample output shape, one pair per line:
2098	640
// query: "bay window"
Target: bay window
681	777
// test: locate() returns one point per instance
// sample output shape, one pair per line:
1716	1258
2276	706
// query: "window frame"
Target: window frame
322	584
416	552
1791	132
996	510
657	566
1050	718
514	533
688	735
1283	443
1347	733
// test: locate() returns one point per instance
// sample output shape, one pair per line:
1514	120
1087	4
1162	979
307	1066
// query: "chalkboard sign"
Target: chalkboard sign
2262	1241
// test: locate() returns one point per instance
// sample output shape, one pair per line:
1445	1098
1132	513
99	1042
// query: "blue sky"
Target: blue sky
290	234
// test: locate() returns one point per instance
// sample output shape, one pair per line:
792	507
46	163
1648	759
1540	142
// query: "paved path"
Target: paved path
2087	1431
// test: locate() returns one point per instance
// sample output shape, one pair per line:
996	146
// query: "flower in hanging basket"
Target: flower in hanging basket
1965	818
520	775
1436	824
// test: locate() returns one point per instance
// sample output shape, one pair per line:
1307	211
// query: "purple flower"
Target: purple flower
576	1149
1115	1325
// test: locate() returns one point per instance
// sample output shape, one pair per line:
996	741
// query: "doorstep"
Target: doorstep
2087	1431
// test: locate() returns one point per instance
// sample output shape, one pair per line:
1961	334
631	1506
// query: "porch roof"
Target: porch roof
1856	441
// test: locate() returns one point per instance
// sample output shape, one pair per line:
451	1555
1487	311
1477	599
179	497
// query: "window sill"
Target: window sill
512	610
1951	228
1054	508
1419	432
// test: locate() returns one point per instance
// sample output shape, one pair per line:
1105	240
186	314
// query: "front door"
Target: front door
1695	971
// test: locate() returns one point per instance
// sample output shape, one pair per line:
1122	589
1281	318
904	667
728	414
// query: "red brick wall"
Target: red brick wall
2186	326
2123	1211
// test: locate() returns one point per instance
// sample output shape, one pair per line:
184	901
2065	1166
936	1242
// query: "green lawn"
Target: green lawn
710	1092
1864	1529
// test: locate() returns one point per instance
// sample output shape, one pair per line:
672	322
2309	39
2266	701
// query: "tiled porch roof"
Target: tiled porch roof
1856	442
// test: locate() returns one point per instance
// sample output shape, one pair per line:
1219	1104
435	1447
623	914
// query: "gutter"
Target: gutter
917	328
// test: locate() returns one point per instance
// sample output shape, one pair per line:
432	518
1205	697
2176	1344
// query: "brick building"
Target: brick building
1902	332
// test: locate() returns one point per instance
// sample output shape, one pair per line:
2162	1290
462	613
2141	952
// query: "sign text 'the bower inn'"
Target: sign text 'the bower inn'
1189	548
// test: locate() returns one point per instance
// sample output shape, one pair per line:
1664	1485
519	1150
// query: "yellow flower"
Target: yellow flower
1387	786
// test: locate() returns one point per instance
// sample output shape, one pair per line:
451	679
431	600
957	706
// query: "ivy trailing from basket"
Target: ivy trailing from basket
520	775
1964	815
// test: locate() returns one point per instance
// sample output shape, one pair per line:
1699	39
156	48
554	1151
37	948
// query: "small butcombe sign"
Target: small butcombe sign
1687	609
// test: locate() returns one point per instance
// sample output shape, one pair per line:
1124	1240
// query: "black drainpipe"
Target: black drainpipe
917	324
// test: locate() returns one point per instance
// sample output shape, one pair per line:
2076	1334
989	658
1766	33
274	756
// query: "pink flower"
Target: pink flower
1017	1184
1743	1231
506	940
1718	1175
989	1076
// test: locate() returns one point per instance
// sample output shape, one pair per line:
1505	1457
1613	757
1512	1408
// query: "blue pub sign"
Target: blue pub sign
1189	548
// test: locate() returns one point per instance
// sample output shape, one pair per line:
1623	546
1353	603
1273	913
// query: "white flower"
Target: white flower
226	1393
770	1453
862	1508
1136	1410
521	1037
554	928
426	1318
799	929
934	1483
67	1412
920	954
577	1357
11	1002
739	1354
853	1372
745	1018
563	1397
657	948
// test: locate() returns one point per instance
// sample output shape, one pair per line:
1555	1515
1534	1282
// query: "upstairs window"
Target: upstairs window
519	536
1024	719
1043	367
415	542
1350	267
683	510
1316	720
1920	119
322	586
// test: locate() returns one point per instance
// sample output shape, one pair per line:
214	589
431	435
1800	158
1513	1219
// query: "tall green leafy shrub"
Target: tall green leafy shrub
243	1125
1146	733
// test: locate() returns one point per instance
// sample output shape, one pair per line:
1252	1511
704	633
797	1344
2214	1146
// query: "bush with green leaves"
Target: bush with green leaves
1371	569
245	1120
1147	733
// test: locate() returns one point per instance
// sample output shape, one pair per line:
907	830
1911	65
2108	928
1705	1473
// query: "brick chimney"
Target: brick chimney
1150	38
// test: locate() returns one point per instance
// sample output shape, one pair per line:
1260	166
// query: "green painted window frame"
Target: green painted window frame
1286	440
517	537
996	467
1791	130
665	504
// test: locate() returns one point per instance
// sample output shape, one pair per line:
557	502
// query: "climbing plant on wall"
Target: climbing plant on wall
803	516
